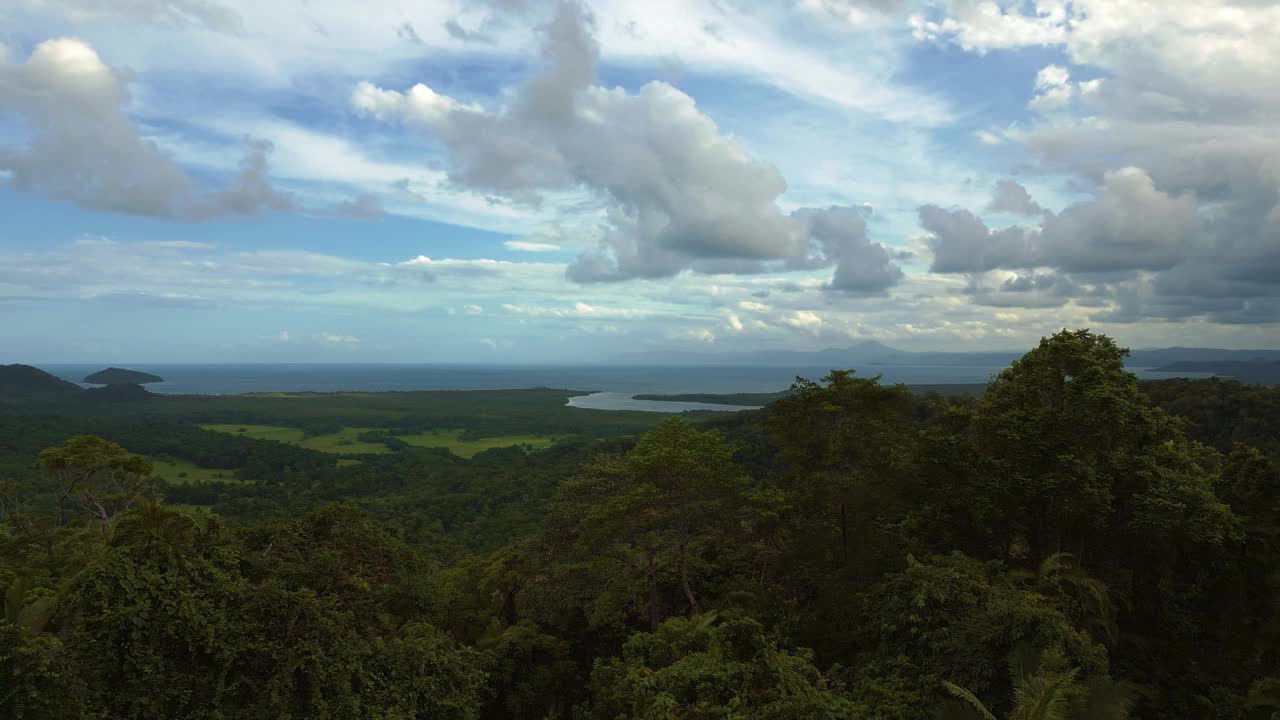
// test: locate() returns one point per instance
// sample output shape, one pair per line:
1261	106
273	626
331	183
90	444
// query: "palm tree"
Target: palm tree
1046	695
1059	576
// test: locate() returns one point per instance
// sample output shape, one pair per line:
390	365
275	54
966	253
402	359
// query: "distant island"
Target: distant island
118	376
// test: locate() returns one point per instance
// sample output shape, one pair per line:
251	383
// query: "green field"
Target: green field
184	472
453	442
343	442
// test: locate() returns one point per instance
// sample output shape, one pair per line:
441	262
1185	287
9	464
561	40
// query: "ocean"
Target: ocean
227	379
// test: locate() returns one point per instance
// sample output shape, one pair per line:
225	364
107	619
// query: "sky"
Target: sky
570	180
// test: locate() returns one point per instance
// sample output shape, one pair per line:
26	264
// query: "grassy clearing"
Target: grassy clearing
347	462
452	441
343	442
185	472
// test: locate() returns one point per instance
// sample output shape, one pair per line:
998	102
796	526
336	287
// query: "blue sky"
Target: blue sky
552	181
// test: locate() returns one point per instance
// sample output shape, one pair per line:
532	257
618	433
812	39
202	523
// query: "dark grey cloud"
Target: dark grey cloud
962	242
1129	225
678	195
1032	289
1133	253
1195	233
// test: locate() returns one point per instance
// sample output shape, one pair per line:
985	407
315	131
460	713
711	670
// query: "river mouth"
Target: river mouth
625	401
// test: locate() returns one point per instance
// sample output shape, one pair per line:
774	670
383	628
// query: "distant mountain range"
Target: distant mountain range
870	353
1257	373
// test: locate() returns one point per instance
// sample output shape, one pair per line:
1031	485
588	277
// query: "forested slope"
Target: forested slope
1059	547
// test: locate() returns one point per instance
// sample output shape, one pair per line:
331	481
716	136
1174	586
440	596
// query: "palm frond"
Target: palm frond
1024	662
962	694
1109	699
953	709
1042	697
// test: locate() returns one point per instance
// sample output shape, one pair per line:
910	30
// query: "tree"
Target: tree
1059	426
98	477
660	508
843	443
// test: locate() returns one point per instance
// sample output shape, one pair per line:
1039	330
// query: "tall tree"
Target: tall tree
658	510
844	442
95	476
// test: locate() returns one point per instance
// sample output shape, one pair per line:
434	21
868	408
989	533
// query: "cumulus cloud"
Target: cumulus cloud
84	149
1129	225
677	193
839	235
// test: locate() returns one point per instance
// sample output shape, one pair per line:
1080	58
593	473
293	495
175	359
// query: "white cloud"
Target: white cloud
806	320
169	13
530	246
987	137
577	310
331	338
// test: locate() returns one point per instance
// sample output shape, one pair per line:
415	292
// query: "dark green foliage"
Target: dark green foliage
704	667
317	618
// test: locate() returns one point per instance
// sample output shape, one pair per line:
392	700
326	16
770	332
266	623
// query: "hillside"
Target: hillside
28	381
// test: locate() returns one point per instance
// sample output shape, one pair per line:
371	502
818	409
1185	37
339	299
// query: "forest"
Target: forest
1069	543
